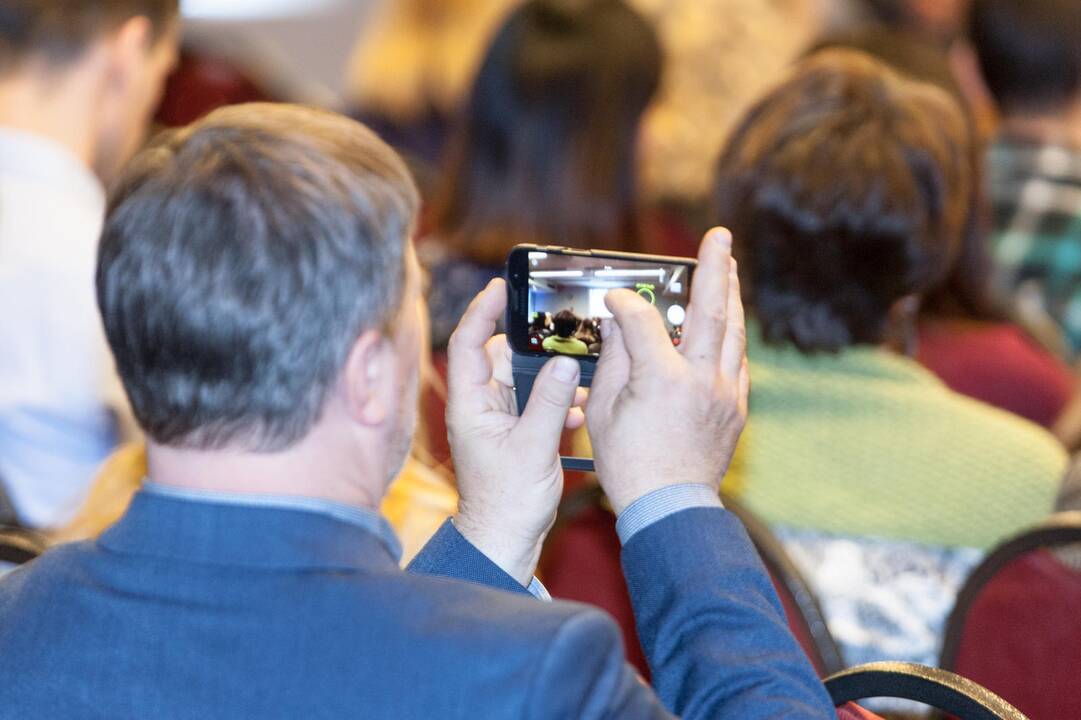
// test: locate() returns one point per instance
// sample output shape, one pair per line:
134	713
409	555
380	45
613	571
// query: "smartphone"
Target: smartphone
556	296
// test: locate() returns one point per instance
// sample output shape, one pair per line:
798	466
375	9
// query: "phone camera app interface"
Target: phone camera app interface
566	298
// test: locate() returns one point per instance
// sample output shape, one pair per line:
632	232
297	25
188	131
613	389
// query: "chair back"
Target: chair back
942	690
1016	626
805	616
19	546
581	562
202	83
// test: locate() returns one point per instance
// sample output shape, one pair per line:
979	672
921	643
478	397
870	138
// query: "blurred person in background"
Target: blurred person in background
908	52
720	56
964	334
965	338
545	151
935	20
849	190
1030	56
411	70
589	332
564	337
915	29
78	85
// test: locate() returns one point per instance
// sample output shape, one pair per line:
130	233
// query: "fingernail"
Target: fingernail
722	236
565	369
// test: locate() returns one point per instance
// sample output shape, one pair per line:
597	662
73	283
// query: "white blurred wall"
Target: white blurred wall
298	47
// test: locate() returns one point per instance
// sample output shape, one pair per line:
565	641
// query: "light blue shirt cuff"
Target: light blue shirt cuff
659	504
537	590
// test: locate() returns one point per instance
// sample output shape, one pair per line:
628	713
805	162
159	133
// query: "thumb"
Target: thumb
541	423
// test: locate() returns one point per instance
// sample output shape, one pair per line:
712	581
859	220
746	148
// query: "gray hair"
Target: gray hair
241	259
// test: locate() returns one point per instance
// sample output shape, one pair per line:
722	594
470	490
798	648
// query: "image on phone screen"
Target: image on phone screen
566	298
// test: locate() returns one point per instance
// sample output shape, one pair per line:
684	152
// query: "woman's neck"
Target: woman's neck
1062	128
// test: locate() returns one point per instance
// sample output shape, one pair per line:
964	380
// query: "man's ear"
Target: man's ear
367	378
901	330
129	47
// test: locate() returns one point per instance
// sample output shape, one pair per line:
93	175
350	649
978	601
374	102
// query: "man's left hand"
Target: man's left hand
509	477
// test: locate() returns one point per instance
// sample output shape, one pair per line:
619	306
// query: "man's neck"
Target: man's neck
308	469
53	105
1060	128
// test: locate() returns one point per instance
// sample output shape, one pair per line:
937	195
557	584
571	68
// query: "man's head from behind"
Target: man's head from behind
565	323
256	279
1029	52
115	54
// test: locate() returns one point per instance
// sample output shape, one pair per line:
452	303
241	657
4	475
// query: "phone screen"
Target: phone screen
564	296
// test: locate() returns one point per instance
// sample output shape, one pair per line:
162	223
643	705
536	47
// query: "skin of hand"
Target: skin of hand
509	476
660	416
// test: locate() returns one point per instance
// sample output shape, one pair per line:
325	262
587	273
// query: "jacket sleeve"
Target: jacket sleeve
709	620
711	625
449	554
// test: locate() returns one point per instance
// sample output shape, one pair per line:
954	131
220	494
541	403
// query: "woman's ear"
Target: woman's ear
368	377
902	326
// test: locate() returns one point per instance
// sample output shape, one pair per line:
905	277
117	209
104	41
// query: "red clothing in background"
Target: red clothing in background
998	364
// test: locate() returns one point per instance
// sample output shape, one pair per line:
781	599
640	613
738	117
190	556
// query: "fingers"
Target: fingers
502	361
554	392
706	327
645	340
499	355
612	373
468	363
734	350
744	387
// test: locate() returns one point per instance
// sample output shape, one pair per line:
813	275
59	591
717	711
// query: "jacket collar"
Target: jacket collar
222	531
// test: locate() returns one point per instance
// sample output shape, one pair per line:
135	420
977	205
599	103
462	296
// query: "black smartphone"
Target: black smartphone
555	304
556	296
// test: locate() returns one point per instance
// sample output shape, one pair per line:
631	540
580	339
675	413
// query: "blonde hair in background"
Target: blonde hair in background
720	56
418	55
118	480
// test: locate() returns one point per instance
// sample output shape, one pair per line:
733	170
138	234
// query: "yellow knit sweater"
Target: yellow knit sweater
869	443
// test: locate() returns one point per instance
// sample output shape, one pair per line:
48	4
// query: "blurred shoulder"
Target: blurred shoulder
47	574
1035	452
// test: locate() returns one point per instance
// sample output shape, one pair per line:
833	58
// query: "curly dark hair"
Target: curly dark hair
846	189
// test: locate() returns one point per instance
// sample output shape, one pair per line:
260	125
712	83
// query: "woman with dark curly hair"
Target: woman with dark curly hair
848	190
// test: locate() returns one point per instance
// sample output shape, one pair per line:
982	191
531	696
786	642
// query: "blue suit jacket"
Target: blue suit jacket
198	610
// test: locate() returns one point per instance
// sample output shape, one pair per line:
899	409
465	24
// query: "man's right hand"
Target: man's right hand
658	416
